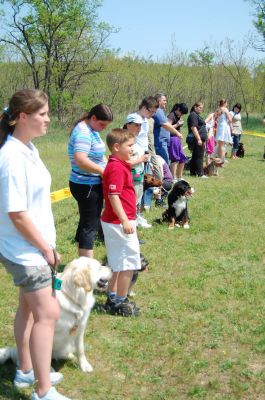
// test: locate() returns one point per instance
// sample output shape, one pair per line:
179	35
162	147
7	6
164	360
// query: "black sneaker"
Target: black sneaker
159	203
109	304
125	308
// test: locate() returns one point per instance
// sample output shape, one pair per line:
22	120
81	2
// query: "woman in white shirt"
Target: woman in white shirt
27	239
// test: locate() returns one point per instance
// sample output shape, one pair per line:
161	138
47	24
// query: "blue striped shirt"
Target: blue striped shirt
83	139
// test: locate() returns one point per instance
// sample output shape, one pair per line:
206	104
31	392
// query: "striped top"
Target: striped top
83	139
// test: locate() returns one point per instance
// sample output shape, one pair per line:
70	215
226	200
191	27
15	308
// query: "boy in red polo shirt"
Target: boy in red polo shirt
119	222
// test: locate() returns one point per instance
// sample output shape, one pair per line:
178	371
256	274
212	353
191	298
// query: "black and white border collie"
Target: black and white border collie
177	211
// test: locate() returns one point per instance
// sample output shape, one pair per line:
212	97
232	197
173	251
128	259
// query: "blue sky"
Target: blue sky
148	26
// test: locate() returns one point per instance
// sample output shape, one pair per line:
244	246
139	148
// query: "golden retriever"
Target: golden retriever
79	278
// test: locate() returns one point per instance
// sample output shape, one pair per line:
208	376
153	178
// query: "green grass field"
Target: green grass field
201	333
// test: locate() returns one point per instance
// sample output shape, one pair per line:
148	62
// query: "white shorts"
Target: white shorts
123	251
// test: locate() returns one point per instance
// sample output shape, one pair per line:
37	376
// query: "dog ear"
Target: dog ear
82	279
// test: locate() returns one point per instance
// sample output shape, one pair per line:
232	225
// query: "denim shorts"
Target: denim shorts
29	279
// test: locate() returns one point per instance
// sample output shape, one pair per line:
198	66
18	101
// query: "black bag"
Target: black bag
190	140
203	133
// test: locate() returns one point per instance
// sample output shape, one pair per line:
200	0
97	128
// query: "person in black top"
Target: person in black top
197	128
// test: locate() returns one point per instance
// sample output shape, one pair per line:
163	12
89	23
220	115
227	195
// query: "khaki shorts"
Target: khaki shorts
123	251
28	278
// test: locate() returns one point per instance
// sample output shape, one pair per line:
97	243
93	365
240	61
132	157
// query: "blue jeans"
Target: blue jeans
147	197
162	151
236	140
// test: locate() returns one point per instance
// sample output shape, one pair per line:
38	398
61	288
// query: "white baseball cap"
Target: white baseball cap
135	118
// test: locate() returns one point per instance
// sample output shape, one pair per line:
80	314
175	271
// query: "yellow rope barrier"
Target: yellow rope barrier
254	134
60	195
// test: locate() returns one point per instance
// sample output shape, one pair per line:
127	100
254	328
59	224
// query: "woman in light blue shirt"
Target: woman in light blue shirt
86	151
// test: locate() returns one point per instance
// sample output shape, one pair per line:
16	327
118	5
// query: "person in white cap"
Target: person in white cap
133	124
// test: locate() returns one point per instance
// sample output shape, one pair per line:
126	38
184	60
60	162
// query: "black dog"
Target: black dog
177	211
240	151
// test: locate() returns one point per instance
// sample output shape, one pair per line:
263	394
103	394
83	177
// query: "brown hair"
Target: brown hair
149	102
197	104
222	102
27	101
101	111
118	135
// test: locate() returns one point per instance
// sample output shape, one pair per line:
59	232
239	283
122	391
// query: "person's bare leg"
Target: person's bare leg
112	287
22	330
180	169
123	283
85	253
221	150
46	311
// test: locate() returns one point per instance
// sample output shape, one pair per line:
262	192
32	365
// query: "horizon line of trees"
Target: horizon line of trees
61	48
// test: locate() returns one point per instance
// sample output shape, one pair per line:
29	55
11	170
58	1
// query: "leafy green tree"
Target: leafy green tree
59	40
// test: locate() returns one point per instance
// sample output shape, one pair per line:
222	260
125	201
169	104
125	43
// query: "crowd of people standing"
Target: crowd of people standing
150	141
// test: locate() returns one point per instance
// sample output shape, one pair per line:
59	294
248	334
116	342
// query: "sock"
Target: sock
119	299
112	295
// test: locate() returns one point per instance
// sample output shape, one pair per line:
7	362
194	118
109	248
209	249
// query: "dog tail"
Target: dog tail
7	353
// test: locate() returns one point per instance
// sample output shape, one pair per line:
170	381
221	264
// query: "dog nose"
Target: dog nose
102	283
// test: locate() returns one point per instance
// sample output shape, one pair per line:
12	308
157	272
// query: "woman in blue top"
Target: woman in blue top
86	150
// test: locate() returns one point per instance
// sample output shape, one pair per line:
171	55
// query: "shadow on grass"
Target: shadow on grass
7	390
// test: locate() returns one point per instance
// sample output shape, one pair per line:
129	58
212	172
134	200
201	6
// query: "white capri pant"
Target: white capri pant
123	250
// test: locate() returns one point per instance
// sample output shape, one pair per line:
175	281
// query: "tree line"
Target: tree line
61	47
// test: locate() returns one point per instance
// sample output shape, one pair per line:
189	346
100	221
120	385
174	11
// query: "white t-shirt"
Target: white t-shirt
142	137
24	186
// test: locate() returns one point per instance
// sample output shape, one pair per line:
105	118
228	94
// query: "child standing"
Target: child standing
139	157
236	129
119	224
210	142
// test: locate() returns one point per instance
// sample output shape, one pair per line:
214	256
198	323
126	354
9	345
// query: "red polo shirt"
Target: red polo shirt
117	179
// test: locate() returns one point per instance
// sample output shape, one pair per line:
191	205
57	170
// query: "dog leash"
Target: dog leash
56	282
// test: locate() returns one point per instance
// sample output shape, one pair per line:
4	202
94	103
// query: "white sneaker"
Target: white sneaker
140	221
52	394
204	177
23	380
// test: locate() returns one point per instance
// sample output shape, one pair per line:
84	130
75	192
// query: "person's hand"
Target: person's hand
127	227
199	141
180	135
146	157
49	257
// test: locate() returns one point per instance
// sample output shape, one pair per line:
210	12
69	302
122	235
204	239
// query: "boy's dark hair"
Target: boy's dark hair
118	135
149	102
182	107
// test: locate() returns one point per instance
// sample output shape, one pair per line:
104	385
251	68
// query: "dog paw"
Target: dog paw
177	225
85	366
186	226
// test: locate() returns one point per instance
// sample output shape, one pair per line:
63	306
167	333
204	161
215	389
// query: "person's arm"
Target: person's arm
229	117
196	134
168	127
209	118
143	158
26	227
84	163
119	211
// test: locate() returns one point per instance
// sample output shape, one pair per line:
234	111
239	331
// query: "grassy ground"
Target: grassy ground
201	333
